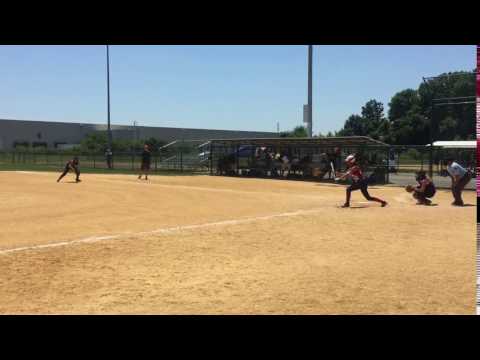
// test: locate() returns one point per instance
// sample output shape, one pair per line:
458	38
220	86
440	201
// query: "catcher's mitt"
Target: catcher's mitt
409	188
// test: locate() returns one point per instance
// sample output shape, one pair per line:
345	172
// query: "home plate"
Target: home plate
404	199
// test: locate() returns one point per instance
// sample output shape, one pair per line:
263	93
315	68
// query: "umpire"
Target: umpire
460	178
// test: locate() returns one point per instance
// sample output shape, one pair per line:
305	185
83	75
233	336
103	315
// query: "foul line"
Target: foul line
170	230
209	189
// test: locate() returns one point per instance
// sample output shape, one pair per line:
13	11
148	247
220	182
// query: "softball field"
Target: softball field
113	244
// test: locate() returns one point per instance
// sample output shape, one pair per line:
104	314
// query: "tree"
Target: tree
354	126
374	120
410	114
94	142
97	142
402	103
454	120
407	122
298	131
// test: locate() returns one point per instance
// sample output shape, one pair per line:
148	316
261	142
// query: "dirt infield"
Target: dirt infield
213	245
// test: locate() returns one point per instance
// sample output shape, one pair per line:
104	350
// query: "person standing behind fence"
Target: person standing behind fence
109	157
334	162
460	178
146	159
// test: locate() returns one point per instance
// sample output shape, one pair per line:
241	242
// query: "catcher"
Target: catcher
359	182
71	165
424	190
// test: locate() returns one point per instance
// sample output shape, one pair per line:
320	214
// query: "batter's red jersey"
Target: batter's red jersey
355	173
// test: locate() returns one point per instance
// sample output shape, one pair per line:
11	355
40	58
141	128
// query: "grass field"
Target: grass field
113	244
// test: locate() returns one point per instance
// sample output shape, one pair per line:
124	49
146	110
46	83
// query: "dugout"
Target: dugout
299	158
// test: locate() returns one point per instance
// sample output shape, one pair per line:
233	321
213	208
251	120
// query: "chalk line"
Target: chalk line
170	230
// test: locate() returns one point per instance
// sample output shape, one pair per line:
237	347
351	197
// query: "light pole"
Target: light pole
310	105
109	130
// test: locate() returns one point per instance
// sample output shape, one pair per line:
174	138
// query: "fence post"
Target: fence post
430	165
237	159
398	161
388	163
210	155
181	159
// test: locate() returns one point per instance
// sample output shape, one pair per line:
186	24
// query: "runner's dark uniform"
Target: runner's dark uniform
146	159
71	165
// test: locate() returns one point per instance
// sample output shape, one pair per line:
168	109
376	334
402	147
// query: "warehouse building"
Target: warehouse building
60	134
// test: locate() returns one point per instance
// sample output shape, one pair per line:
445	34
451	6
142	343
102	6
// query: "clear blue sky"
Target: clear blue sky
216	87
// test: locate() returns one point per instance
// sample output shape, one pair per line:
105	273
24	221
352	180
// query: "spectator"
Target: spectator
109	157
334	162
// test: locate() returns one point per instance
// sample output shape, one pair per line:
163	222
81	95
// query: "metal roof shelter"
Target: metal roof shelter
470	144
345	141
240	157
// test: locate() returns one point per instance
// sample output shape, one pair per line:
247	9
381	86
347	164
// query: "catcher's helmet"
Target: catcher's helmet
420	175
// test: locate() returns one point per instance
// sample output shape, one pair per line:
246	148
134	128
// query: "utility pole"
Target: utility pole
109	130
430	129
310	83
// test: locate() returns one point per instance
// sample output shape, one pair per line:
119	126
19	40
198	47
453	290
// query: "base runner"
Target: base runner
359	182
71	165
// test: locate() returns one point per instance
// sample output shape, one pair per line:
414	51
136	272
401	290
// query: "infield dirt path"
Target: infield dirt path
215	245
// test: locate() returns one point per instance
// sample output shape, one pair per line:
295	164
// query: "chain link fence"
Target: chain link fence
395	165
391	165
405	160
177	156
